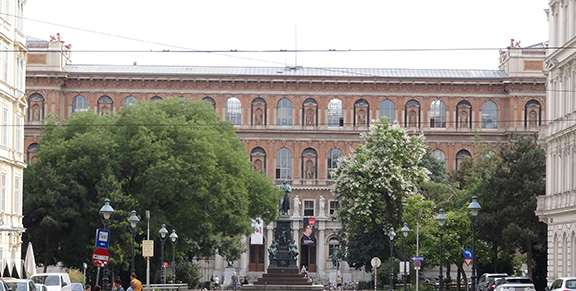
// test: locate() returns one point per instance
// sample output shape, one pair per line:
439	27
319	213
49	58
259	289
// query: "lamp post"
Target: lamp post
391	235
474	208
173	239
163	233
106	212
133	223
441	219
405	230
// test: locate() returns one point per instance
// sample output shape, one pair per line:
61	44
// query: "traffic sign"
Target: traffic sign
375	262
468	253
165	264
100	257
416	258
147	248
102	238
467	261
417	264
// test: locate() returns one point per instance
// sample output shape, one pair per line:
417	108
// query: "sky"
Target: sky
417	34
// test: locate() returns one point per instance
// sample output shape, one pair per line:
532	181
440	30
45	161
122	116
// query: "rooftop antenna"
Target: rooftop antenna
295	44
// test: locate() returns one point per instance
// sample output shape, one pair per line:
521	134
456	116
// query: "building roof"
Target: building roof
285	71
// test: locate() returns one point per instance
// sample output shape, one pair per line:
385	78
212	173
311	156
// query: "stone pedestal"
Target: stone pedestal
227	276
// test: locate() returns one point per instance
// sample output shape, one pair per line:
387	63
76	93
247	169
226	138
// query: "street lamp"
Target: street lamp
163	233
405	230
474	208
133	222
391	235
173	239
441	219
106	212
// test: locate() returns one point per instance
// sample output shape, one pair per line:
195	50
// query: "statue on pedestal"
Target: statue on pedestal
273	250
285	200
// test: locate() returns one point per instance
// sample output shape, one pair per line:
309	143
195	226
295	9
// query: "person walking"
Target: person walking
234	281
118	284
134	278
216	282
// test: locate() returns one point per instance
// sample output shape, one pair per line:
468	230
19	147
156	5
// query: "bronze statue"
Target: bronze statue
273	250
285	201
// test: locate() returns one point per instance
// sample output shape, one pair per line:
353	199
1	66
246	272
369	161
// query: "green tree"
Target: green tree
372	185
176	158
509	198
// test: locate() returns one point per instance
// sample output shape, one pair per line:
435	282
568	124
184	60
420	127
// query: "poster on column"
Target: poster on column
308	237
257	237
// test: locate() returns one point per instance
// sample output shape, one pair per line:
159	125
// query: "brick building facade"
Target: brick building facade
296	121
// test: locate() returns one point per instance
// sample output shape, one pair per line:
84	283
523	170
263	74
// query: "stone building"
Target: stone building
558	207
13	103
297	122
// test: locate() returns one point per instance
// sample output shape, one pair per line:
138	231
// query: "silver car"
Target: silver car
515	284
563	283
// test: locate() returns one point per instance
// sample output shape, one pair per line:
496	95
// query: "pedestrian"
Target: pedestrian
216	282
132	286
234	281
88	287
245	282
303	271
134	278
97	287
339	283
118	284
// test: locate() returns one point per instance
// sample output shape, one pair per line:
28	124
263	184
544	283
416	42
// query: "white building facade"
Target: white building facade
13	108
558	207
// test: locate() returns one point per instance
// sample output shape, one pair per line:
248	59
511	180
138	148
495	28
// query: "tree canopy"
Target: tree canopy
175	158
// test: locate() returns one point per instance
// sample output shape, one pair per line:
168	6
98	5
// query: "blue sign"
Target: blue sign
417	264
468	253
102	238
416	258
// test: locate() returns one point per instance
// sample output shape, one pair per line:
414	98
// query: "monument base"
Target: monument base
282	287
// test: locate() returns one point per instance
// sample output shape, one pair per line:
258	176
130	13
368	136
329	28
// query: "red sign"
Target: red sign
165	264
467	261
100	257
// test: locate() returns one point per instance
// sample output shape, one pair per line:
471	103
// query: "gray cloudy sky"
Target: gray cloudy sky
369	30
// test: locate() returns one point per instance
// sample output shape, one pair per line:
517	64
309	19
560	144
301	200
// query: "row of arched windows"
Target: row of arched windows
334	112
284	162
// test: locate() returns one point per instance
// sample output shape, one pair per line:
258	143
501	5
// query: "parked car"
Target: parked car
53	281
3	286
20	284
41	287
563	283
515	284
77	287
485	279
493	283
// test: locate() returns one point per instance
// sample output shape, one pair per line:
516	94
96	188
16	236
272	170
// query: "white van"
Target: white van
53	281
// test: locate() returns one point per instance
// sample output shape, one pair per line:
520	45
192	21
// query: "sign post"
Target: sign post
375	262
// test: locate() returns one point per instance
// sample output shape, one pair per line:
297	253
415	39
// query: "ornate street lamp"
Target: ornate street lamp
405	230
163	234
391	235
106	212
441	219
133	223
173	239
474	208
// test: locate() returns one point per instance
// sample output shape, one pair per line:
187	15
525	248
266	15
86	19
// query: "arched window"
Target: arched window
210	100
489	115
283	164
310	112
438	114
129	100
309	162
105	105
439	155
234	110
31	151
156	98
284	112
79	103
258	158
335	113
461	156
463	114
387	109
334	156
532	114
412	114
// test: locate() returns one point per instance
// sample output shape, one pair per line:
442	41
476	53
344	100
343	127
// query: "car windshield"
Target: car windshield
571	284
17	286
47	280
